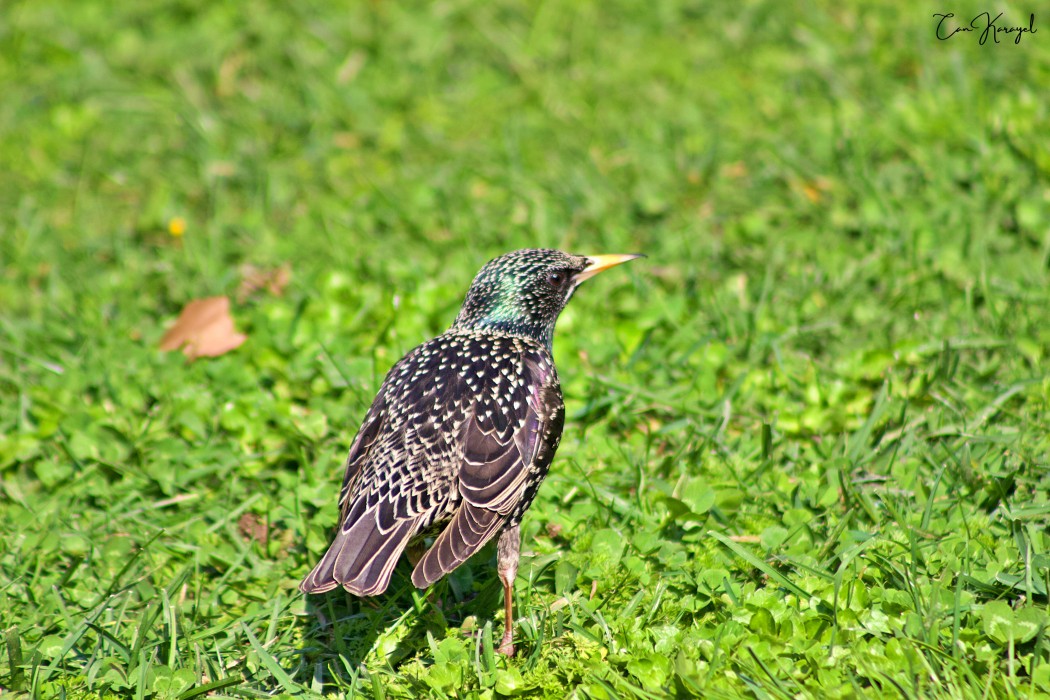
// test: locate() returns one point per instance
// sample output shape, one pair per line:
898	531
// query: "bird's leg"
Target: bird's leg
507	551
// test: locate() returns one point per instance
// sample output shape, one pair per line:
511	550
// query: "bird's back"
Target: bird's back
463	430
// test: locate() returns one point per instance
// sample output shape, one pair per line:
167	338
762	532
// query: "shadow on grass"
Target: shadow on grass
344	634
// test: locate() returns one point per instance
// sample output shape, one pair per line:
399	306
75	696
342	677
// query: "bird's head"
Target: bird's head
523	292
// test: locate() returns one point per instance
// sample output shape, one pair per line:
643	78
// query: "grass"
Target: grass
807	449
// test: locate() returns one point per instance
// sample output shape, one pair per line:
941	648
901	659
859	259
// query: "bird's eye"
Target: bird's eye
556	278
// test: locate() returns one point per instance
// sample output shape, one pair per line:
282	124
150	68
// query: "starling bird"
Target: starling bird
461	434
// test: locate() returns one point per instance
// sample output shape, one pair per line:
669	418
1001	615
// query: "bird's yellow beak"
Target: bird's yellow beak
599	263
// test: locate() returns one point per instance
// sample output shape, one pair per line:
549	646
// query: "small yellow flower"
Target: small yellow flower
177	226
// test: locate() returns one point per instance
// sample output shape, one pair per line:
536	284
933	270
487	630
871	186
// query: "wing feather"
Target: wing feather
463	429
501	460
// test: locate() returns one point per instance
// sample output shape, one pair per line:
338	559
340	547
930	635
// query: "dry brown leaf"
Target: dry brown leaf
203	329
814	191
346	140
255	278
253	527
736	170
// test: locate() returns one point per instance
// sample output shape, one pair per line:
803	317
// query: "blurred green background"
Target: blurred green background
806	451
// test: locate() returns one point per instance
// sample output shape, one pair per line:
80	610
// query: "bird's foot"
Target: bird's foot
506	647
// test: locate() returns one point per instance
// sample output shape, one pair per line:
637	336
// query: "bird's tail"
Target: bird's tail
471	527
362	557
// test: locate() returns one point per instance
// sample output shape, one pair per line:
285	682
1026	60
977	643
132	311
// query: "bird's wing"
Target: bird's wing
507	441
469	421
384	490
370	537
367	435
400	470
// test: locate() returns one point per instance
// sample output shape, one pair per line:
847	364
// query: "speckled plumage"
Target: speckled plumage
461	433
